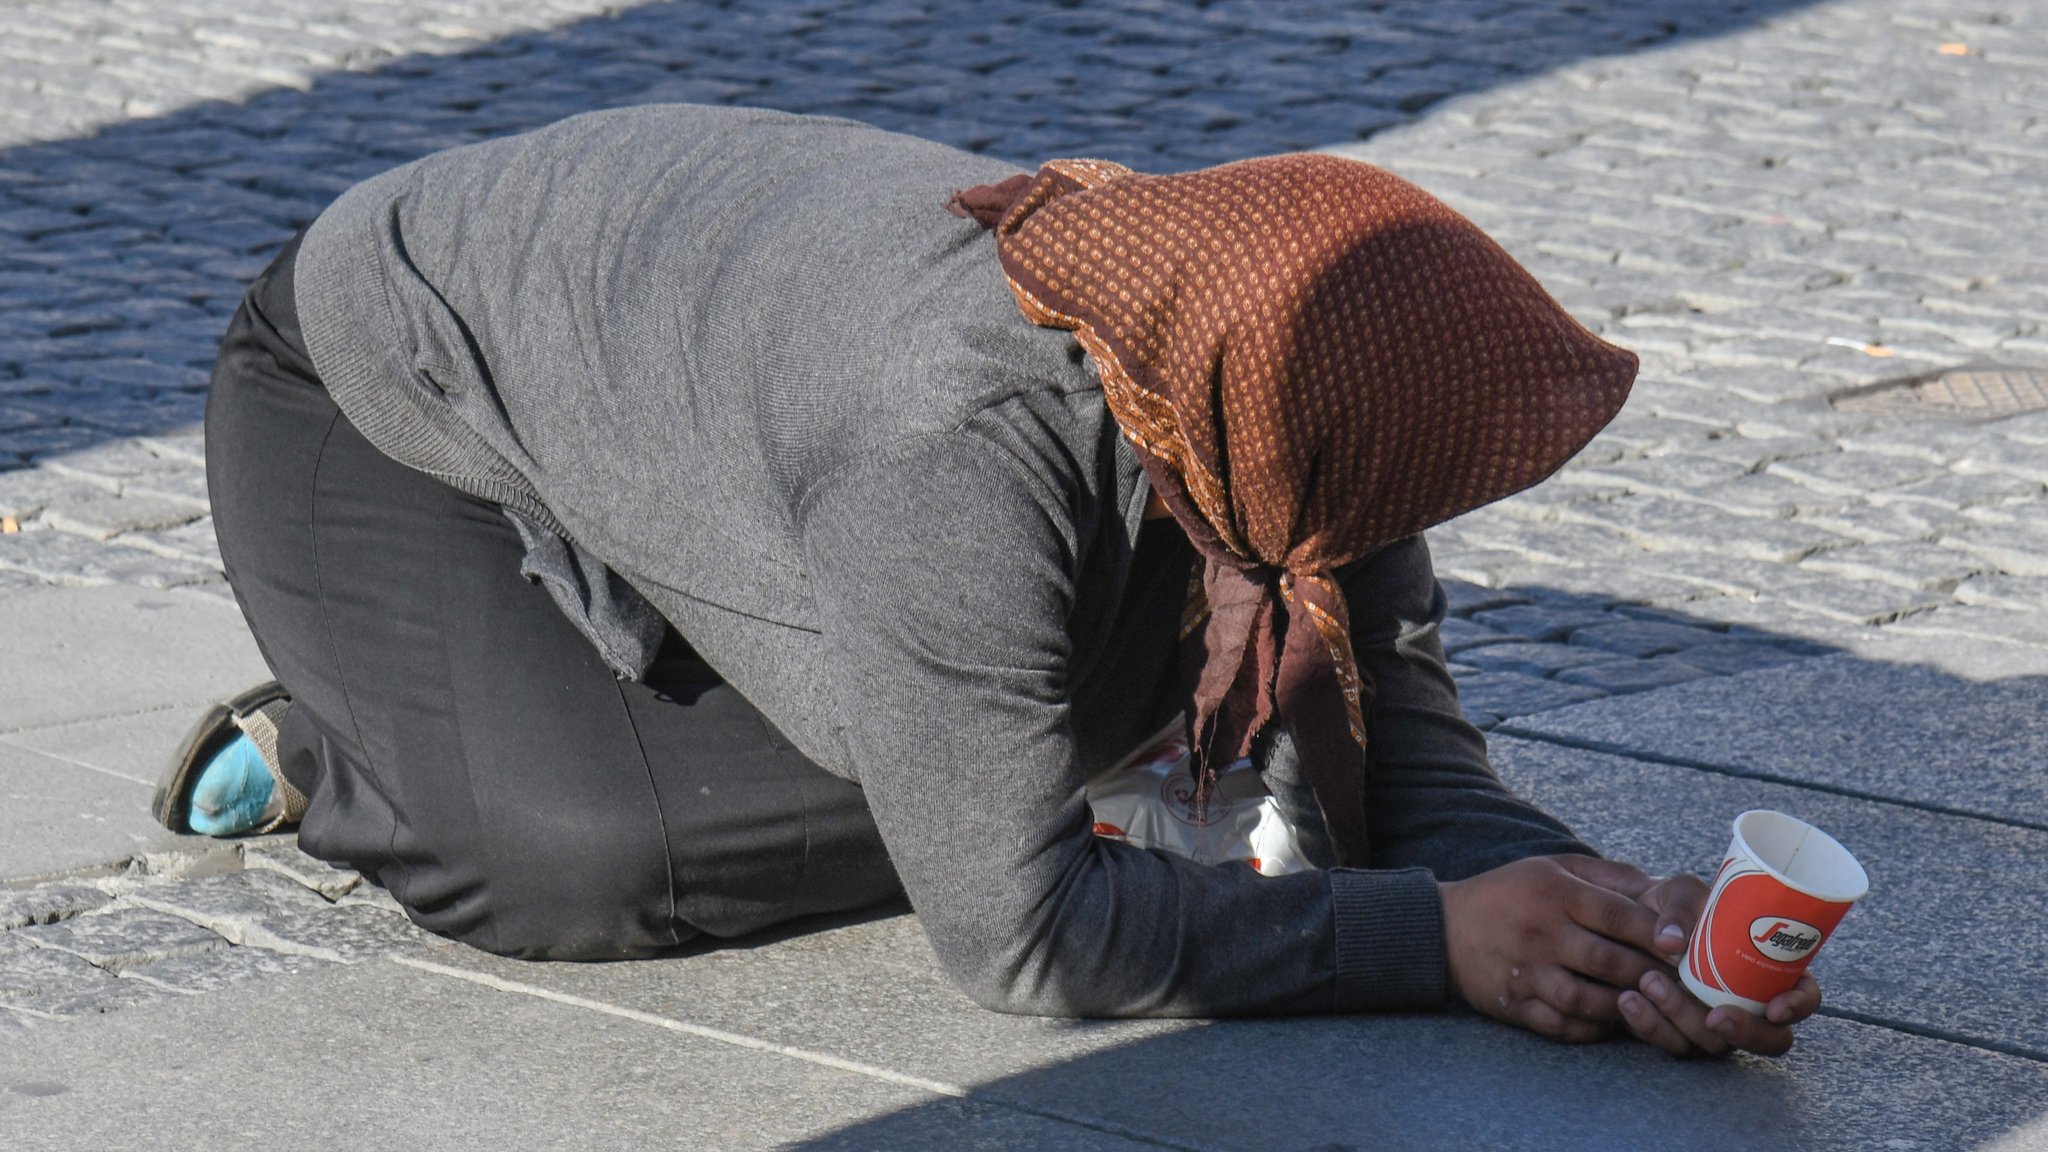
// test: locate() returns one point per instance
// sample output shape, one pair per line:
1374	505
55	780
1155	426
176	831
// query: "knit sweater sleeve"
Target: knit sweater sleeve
1432	798
943	572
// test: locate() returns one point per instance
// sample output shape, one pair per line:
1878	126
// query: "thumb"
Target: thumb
1679	903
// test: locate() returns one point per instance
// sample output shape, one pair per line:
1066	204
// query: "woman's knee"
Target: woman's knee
529	889
548	893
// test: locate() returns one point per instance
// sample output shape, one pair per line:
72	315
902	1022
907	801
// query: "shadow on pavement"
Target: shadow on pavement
1460	1084
122	254
1935	1033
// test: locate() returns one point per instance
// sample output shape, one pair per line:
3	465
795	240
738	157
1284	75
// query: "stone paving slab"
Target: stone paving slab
201	917
56	815
86	653
97	998
34	972
1952	939
345	933
385	1055
48	554
1907	732
283	858
230	906
133	747
46	904
114	942
219	969
1425	1082
1523	649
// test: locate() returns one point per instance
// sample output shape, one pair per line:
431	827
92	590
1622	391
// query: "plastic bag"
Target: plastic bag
1147	800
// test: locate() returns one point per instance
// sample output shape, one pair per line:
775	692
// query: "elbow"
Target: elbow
1100	935
1064	959
1014	984
999	994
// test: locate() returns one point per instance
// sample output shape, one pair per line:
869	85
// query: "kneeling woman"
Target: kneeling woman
676	521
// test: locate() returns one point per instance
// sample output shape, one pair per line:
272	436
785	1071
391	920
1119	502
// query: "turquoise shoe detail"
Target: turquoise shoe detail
234	791
224	779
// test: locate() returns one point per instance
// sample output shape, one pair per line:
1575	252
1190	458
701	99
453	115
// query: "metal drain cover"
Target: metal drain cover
1970	392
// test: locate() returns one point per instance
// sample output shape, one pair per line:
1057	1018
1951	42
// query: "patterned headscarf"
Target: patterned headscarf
1314	358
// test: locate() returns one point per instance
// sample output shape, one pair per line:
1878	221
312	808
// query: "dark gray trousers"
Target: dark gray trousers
461	742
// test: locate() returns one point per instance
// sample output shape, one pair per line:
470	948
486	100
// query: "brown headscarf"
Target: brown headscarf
1314	358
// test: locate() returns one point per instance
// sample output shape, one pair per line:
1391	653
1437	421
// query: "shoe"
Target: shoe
224	760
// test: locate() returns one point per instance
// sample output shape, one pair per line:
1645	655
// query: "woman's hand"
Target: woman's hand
1550	943
1659	1009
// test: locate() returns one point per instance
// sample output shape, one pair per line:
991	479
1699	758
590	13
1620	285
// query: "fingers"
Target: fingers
1750	1033
1612	875
1544	1020
1602	959
1719	1030
1796	1003
1661	1014
1651	1026
1568	994
1611	915
1685	1014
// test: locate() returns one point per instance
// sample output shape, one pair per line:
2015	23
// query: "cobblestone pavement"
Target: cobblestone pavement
1773	203
182	924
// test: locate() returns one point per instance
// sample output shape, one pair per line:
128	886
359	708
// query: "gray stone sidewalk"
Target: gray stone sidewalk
1777	580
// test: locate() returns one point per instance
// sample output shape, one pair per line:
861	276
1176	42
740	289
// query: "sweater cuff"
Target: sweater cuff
1390	939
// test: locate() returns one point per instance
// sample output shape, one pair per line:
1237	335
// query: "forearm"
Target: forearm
1076	925
1433	799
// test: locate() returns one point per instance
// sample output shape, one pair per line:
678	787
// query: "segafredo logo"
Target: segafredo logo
1783	939
1177	794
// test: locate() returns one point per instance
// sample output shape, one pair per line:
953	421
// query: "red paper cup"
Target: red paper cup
1778	895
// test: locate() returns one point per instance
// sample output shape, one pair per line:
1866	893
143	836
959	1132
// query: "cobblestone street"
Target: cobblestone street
1769	218
1819	225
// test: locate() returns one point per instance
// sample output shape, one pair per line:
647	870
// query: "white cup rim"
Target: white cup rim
1861	883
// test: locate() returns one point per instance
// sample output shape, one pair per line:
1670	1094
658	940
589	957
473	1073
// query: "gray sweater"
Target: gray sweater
740	371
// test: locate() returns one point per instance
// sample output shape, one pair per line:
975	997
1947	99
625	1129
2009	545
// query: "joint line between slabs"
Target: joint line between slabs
1581	744
152	710
701	1031
719	1035
1929	1032
76	763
